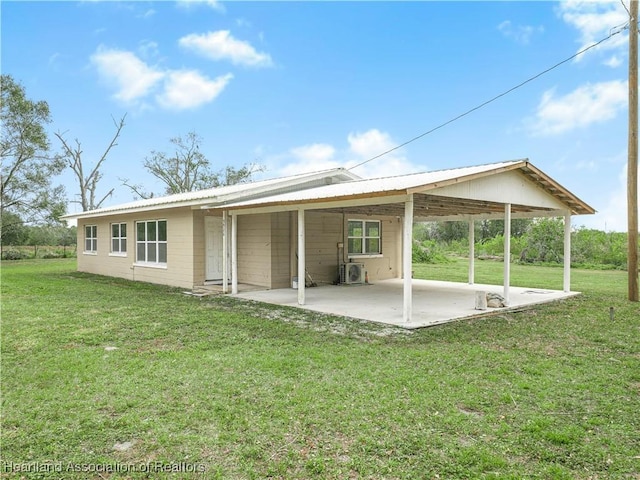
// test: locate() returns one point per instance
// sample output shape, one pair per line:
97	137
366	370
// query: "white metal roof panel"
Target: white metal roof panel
427	182
219	194
380	186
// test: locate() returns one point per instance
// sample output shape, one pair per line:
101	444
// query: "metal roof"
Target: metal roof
219	195
341	191
425	184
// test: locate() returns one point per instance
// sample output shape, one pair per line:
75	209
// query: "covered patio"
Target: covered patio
506	190
434	302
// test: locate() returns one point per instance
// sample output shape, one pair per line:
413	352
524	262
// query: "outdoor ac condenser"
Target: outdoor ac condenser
352	273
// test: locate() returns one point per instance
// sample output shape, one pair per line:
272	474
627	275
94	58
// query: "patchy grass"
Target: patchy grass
247	390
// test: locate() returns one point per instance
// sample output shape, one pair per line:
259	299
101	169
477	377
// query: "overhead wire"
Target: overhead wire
493	99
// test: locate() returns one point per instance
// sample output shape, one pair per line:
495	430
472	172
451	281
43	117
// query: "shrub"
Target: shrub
13	255
428	251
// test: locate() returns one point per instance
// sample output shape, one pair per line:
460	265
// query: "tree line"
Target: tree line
20	241
533	241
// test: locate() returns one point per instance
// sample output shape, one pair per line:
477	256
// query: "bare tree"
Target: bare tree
187	169
88	184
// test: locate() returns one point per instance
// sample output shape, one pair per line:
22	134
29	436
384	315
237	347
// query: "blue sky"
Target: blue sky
302	86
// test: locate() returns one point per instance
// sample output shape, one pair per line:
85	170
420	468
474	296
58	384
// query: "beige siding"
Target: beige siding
323	233
199	248
254	250
280	250
103	262
180	249
266	248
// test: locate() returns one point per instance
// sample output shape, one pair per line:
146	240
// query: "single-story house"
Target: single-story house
331	225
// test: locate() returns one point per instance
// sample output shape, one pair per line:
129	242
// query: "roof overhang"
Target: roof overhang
474	192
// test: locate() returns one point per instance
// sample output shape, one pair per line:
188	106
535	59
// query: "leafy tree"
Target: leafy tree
26	168
544	241
451	231
39	236
595	247
14	231
487	229
187	169
88	183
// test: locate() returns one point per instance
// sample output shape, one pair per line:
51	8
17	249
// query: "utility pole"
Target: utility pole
632	165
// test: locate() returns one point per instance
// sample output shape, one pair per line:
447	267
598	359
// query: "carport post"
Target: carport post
234	254
566	282
225	252
507	251
407	244
301	258
472	251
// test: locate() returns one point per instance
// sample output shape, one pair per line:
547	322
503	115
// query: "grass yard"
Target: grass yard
221	388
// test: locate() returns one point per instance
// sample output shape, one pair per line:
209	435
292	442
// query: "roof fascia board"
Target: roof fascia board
151	208
588	208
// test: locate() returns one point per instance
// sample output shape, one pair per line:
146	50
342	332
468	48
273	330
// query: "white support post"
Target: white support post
225	252
234	254
507	251
472	251
407	244
566	281
301	258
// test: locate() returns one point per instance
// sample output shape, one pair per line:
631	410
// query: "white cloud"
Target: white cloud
214	4
614	61
315	153
370	143
595	21
135	81
520	33
148	13
588	104
360	146
185	89
54	58
307	158
243	22
148	48
221	45
132	78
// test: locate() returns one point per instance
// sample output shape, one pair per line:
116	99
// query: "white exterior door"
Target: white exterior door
213	253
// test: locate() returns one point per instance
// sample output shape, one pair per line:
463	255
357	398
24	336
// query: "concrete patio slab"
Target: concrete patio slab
434	302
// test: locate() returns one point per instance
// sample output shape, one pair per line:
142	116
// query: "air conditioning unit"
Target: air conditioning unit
352	273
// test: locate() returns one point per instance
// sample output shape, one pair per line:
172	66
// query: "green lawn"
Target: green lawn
244	390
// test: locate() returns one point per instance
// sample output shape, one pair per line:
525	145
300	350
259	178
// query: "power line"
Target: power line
484	104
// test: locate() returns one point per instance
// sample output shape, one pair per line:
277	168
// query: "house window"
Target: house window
364	237
90	238
151	242
119	238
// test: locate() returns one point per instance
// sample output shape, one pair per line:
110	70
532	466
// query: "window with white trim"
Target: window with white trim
364	237
90	238
151	242
119	238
